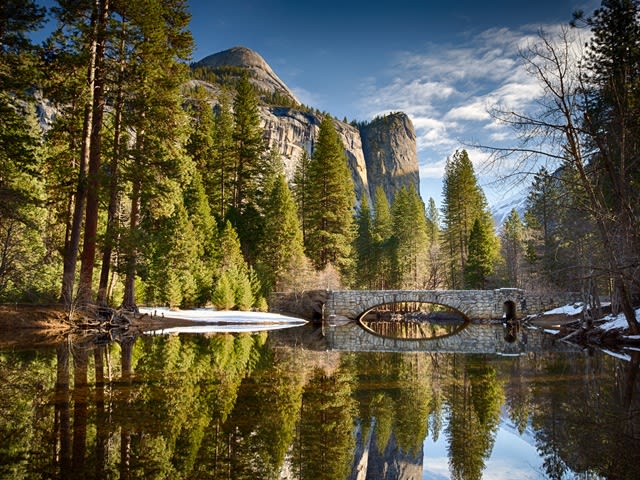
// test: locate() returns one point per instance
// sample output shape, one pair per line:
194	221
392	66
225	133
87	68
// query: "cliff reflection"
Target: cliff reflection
249	406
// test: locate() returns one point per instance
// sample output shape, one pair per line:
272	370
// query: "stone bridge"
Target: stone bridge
473	304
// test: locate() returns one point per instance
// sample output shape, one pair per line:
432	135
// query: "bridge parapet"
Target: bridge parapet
474	304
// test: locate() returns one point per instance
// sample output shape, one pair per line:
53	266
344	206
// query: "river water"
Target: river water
285	405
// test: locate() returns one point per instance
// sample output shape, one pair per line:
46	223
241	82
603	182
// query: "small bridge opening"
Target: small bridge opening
509	308
413	320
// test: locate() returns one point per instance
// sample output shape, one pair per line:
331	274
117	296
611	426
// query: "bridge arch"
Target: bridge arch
454	309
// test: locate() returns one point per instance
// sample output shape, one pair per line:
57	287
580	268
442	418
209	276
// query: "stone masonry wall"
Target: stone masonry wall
474	304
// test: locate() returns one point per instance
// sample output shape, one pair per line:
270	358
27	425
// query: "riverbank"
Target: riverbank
40	325
565	324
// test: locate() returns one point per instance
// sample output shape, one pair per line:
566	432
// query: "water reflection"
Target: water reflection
413	321
262	406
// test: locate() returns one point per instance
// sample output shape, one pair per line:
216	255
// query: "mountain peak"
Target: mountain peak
261	73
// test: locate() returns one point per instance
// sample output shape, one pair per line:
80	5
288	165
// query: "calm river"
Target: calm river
285	405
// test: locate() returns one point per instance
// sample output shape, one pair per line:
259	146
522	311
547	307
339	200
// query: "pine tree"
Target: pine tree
542	215
159	164
463	203
364	247
611	119
28	230
436	268
75	44
381	236
222	168
299	189
249	167
205	237
480	262
229	250
330	202
281	252
513	247
223	297
410	240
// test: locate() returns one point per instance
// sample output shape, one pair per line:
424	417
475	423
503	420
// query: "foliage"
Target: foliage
330	202
409	241
463	203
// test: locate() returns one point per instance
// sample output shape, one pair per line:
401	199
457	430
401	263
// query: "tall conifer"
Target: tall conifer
463	203
330	202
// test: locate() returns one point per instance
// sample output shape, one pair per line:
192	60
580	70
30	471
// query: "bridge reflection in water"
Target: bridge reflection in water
475	338
413	320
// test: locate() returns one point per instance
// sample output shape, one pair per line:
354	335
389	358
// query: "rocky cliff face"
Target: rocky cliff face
389	147
291	131
382	152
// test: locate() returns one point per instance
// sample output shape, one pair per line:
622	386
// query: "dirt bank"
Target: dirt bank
47	325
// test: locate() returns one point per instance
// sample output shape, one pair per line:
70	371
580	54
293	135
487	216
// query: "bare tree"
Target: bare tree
561	132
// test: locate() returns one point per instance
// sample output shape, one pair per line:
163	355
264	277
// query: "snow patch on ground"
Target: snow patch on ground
551	331
574	309
214	321
617	322
246	328
220	316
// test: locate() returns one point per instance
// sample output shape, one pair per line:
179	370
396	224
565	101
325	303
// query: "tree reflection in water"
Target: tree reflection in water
252	406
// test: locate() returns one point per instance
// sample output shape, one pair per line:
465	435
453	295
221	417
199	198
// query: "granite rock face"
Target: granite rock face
389	147
291	131
260	73
382	152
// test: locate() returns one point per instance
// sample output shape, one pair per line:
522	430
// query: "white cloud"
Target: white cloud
448	91
305	96
474	111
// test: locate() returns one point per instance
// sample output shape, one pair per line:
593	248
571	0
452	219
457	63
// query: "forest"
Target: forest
139	192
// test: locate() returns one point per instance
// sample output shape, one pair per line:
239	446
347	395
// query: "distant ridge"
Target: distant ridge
261	73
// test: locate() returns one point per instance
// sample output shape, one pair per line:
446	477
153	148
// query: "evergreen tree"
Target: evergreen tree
299	189
463	203
22	226
612	120
480	262
436	269
229	250
542	215
249	166
204	236
433	220
159	164
364	247
281	252
330	202
381	236
410	240
222	168
223	295
513	247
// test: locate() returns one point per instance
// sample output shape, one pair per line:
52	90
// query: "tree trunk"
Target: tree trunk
114	194
129	301
72	246
91	219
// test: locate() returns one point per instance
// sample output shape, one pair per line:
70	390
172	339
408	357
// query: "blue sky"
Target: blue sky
441	62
